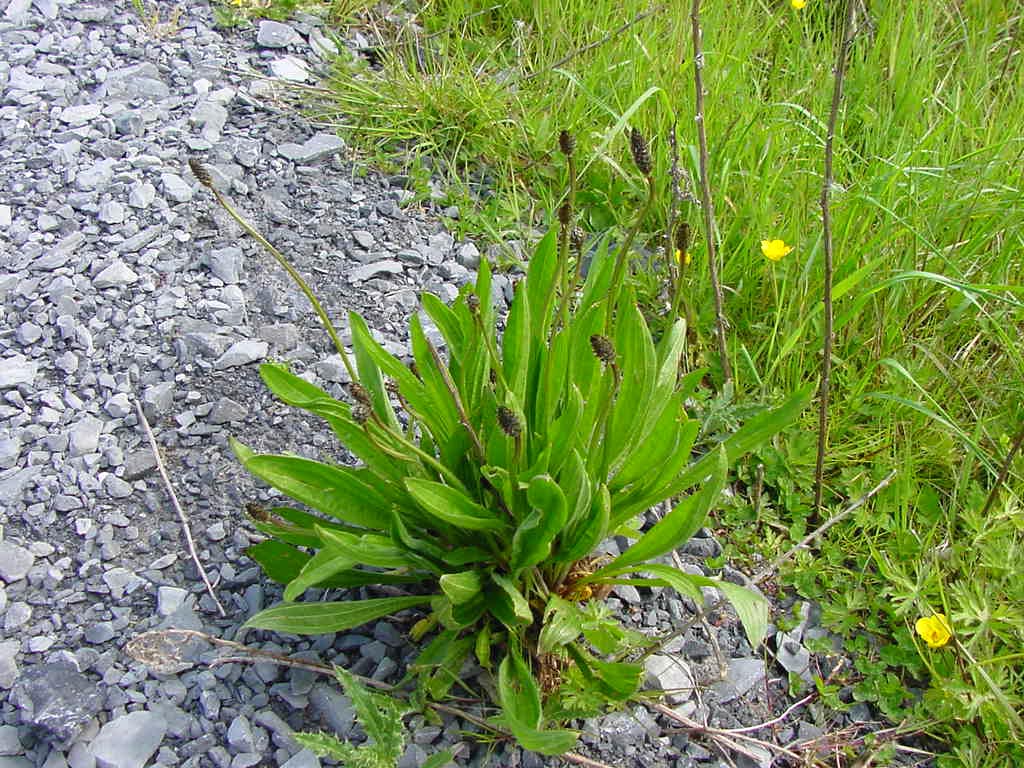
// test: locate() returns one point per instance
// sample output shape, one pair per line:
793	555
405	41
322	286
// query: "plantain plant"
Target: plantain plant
487	480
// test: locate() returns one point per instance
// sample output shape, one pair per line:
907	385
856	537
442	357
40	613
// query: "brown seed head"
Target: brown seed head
565	213
683	239
509	422
603	348
360	413
473	303
199	171
360	394
566	143
576	239
641	154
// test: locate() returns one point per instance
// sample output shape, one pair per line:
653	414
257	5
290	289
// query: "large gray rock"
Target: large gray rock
17	370
141	81
8	662
58	699
129	741
672	674
242	353
15	561
274	34
85	436
116	275
317	147
742	675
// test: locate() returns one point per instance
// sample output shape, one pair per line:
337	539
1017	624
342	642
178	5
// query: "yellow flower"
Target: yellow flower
685	260
774	250
934	629
798	4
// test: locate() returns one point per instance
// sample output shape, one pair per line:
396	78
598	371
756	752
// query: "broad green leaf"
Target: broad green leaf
681	523
655	487
615	680
599	277
657	447
281	562
335	491
508	604
516	344
433	383
562	624
520	702
323	618
638	365
322	566
540	284
439	760
292	525
439	664
588	532
446	321
368	549
746	438
532	540
453	506
564	434
369	373
379	714
461	587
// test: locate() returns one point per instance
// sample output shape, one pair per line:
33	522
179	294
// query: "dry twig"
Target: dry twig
705	190
176	504
767	571
826	224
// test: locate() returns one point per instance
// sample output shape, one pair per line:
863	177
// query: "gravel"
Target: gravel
120	279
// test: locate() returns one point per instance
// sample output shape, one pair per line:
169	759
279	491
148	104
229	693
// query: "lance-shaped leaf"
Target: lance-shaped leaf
281	562
507	603
520	701
335	491
323	618
453	506
461	587
321	567
680	524
563	623
368	549
532	540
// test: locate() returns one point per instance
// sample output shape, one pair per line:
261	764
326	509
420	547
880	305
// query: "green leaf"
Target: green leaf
516	344
452	506
323	618
564	434
680	524
540	285
322	566
508	604
335	491
445	672
369	374
532	540
439	760
638	362
461	587
445	320
589	532
746	438
520	701
380	716
368	549
279	561
562	624
293	525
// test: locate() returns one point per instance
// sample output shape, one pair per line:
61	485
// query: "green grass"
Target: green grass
928	221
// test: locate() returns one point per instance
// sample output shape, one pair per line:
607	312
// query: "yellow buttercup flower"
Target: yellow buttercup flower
684	260
798	4
774	250
935	630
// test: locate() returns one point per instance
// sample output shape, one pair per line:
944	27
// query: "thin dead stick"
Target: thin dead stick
1003	473
705	190
177	506
826	225
597	43
576	757
765	572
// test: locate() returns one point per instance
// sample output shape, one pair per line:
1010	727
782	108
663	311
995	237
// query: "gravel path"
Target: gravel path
120	280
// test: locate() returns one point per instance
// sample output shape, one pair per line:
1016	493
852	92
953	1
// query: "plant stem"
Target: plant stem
826	224
1003	472
623	257
705	191
325	321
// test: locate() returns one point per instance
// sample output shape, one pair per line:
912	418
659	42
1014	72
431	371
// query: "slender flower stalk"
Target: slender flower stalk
203	177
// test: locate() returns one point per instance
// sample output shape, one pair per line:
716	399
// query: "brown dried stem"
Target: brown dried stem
177	505
826	224
705	191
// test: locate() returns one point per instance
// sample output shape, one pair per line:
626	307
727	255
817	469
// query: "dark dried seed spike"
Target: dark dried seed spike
683	239
360	394
641	154
360	413
392	387
564	213
603	348
576	239
199	171
566	143
509	422
473	303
